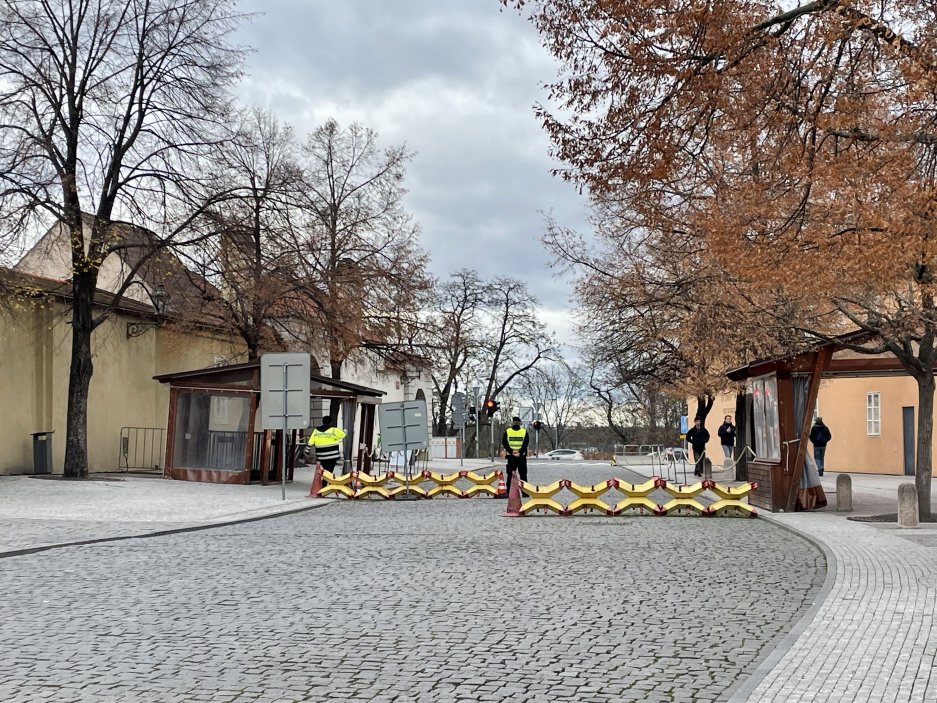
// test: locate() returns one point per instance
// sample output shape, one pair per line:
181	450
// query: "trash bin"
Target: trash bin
42	452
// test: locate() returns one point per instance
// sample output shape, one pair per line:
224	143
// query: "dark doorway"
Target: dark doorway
907	423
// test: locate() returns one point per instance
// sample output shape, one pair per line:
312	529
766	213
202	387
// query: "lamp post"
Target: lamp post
408	375
160	301
537	434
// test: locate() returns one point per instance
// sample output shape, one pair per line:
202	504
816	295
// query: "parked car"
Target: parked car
566	454
676	454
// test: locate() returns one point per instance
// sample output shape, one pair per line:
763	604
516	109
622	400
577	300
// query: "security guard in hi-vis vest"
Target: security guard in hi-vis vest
515	440
327	441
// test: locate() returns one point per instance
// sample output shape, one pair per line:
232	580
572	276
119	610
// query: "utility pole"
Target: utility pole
537	435
478	426
491	422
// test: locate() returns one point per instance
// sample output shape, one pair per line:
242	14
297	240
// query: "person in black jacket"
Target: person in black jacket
820	436
727	436
697	438
515	439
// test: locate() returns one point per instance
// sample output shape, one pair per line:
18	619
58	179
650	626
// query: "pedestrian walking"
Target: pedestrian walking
820	436
697	438
727	436
515	440
327	441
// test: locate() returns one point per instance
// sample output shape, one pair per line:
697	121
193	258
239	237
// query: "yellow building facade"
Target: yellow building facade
873	421
35	346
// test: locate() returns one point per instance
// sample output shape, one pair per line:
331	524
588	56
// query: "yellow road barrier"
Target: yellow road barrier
426	484
541	497
614	496
587	498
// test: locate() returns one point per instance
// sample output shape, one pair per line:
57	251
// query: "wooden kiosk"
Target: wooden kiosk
781	396
211	433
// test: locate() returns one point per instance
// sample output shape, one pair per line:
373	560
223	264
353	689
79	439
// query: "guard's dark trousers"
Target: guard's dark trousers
519	464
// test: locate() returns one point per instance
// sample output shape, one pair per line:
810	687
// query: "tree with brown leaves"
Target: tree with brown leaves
798	145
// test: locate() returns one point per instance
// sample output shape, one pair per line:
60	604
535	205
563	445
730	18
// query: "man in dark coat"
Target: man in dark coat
697	438
820	436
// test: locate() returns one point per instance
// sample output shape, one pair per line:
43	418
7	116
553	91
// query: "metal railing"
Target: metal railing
142	449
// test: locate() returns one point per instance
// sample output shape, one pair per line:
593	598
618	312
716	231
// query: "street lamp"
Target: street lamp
160	300
409	374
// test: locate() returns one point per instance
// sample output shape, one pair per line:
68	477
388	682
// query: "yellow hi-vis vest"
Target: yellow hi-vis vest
331	436
516	438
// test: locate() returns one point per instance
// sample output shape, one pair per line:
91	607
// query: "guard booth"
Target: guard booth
781	395
214	425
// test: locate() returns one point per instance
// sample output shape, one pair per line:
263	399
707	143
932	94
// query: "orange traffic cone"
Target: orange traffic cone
316	481
501	487
514	499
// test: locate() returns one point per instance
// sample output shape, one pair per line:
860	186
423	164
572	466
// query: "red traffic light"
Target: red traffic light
537	425
491	406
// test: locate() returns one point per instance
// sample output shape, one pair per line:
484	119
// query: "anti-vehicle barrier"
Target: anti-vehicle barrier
612	497
635	498
425	484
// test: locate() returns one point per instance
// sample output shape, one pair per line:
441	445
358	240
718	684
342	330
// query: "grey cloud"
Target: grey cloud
456	81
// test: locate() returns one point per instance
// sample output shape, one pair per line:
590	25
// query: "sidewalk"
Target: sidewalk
872	635
42	512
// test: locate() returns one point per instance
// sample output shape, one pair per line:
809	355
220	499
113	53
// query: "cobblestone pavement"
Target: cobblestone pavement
874	637
407	601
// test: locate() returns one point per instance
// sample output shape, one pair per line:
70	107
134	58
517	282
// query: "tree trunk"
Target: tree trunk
79	376
925	437
442	428
741	437
704	403
253	346
335	404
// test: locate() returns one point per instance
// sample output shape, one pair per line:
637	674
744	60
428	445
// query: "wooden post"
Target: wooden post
822	362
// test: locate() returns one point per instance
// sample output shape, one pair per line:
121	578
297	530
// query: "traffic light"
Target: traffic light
491	406
537	425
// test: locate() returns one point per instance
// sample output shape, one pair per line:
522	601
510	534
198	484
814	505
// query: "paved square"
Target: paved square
410	601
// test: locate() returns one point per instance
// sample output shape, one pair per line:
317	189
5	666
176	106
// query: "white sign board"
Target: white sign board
284	391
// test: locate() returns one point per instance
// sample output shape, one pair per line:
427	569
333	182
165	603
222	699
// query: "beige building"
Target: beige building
873	421
35	344
128	349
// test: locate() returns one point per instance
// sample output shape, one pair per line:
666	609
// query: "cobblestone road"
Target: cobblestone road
409	601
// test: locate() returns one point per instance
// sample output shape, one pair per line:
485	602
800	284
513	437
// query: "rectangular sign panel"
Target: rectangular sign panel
403	425
284	391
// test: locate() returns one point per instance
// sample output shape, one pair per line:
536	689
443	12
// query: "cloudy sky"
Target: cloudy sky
456	81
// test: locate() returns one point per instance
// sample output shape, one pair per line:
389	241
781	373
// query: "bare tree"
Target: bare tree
363	269
248	273
516	339
558	390
106	106
454	335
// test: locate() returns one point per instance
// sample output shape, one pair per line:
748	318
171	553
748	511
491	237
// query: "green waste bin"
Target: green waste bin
42	452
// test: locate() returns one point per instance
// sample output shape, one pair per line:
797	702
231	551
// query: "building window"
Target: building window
764	392
873	414
211	431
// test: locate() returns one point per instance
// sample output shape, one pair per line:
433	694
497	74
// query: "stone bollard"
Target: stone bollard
907	505
844	493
